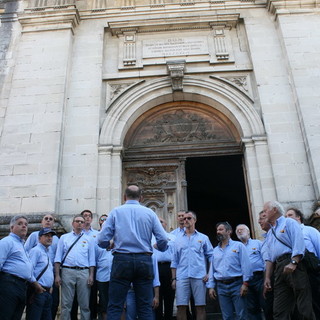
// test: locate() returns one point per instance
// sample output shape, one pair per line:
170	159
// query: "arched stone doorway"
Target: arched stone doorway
166	138
215	98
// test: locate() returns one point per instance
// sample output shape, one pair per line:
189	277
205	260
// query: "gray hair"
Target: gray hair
194	216
277	205
16	218
245	226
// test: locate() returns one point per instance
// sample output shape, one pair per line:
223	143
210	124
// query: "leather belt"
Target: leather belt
230	280
134	254
164	262
75	268
258	272
47	289
14	277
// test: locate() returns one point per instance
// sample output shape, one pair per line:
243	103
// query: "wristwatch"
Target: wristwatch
294	261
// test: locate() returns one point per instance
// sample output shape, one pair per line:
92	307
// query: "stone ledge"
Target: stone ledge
49	19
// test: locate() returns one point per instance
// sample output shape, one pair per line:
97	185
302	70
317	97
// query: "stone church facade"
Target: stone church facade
100	93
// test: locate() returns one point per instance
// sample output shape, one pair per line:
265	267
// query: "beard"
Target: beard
220	237
243	237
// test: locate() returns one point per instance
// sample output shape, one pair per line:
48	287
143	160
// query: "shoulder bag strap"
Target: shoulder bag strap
64	258
43	271
279	239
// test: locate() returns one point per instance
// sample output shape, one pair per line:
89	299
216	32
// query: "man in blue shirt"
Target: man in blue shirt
15	270
285	250
77	268
192	254
312	241
166	293
180	219
230	273
132	225
33	239
40	306
255	290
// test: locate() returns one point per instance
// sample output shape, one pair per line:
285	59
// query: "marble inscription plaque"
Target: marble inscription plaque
179	46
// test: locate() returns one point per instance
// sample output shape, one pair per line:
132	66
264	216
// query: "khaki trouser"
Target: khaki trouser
72	279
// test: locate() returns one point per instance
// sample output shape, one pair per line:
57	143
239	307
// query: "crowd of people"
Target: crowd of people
133	268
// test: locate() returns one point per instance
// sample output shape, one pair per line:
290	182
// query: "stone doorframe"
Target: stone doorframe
214	92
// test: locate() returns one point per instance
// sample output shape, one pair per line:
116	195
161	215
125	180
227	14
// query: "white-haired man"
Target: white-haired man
286	249
255	290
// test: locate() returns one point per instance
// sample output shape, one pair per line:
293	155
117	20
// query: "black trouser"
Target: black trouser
12	296
166	293
290	290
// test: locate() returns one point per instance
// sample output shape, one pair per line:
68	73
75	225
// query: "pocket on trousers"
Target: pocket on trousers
121	270
145	269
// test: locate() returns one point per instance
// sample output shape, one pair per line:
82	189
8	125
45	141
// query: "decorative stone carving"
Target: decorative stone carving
114	90
176	72
128	4
129	50
241	82
157	3
220	44
180	126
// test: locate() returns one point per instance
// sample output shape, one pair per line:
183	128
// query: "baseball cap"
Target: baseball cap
46	231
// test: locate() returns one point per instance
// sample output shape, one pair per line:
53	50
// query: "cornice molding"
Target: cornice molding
284	7
169	24
48	19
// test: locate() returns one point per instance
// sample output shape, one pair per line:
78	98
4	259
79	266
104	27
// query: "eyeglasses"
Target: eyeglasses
48	218
187	218
103	219
78	221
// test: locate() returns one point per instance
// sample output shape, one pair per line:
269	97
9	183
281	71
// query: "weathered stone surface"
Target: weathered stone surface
76	77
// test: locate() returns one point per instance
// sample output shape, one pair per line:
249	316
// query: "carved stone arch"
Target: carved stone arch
216	94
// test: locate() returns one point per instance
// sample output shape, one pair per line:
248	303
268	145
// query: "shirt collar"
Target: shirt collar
17	237
132	202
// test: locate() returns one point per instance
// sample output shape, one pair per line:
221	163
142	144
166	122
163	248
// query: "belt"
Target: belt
14	277
283	257
134	254
258	272
47	289
75	268
230	280
164	262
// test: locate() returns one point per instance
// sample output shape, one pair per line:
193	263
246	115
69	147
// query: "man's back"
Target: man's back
132	226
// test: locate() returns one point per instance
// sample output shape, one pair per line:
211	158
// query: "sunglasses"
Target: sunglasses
78	221
48	218
187	218
103	219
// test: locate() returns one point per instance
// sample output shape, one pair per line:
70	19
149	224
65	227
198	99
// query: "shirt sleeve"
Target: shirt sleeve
107	232
59	252
296	237
31	241
160	234
4	252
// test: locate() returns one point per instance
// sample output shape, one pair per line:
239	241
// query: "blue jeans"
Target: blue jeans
138	270
231	301
255	297
131	313
40	309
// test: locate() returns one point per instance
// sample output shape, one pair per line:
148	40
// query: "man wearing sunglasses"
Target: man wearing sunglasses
32	241
189	267
76	258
